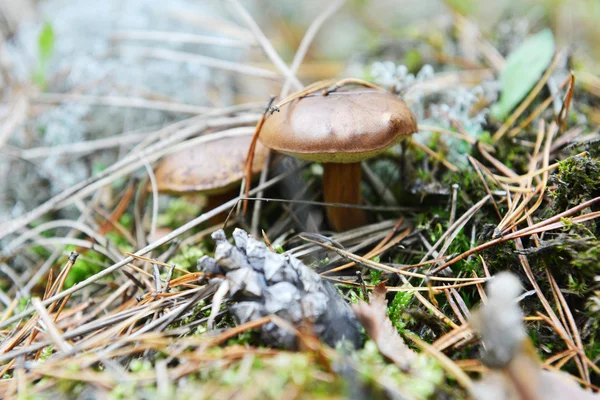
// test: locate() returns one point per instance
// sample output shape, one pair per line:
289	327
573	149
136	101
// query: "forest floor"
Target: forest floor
111	288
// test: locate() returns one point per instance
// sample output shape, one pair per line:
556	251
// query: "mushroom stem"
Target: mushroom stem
216	200
341	184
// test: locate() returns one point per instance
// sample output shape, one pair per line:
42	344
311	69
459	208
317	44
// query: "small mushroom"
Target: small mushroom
214	168
339	130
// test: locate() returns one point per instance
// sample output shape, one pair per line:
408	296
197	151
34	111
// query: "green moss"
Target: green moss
180	211
272	378
244	338
354	294
375	275
188	257
500	257
422	382
577	180
470	186
197	313
46	40
123	391
572	259
46	352
427	377
122	243
70	388
396	310
514	156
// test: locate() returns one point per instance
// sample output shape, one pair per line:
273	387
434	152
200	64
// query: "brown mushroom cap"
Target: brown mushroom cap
211	168
343	127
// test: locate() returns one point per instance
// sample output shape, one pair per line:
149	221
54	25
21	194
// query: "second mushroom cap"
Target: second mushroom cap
213	167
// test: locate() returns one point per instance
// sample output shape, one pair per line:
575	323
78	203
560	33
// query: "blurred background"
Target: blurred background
82	71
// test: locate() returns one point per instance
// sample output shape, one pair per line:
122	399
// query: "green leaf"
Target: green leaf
45	48
523	69
46	43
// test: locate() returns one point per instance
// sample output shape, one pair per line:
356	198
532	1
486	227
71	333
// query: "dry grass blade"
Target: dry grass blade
454	229
590	82
180	56
543	226
228	334
435	289
184	228
81	148
116	101
520	178
52	330
576	336
434	155
540	109
129	318
178	132
178	37
458	135
454	336
383	267
381	247
490	53
521	213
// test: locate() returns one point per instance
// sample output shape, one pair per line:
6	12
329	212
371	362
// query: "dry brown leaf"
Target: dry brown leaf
373	316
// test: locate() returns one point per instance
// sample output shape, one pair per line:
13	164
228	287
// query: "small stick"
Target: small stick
168	280
363	287
157	283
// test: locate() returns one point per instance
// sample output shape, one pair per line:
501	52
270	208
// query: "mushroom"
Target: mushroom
214	168
340	130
